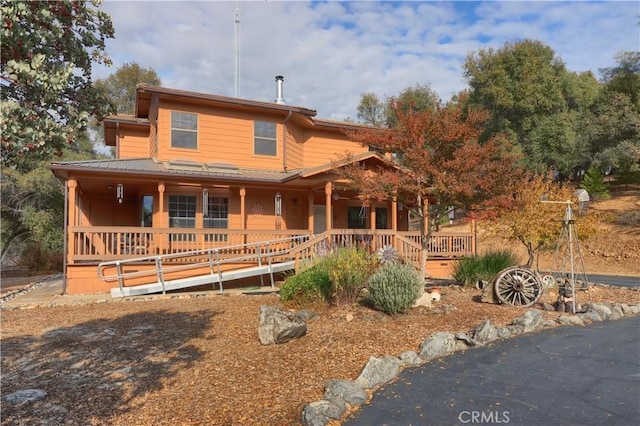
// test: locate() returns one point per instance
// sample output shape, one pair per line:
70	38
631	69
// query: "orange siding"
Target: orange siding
134	143
295	154
223	136
324	147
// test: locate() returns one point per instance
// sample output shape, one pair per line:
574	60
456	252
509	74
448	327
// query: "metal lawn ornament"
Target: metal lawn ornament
522	286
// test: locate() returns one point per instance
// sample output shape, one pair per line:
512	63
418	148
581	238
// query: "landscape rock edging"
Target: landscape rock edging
378	371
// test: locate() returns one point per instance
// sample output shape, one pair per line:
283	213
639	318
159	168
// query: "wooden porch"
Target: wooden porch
187	252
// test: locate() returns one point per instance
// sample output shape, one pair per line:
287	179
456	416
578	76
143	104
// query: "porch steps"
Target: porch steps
181	283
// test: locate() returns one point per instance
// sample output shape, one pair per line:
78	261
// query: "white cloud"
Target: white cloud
332	52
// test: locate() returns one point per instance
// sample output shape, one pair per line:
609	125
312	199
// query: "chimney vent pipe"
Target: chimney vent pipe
279	90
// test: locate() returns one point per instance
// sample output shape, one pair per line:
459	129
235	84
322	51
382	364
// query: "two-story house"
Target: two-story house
194	172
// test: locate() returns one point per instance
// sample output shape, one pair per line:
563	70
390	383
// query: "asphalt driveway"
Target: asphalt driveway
563	376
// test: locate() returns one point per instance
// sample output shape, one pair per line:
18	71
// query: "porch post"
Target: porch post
310	197
72	183
372	226
161	215
243	218
394	221
328	190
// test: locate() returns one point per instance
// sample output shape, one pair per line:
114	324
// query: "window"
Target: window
217	217
381	218
264	138
184	130
356	217
146	214
182	214
182	211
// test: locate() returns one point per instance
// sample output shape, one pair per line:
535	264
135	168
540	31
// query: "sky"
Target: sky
331	52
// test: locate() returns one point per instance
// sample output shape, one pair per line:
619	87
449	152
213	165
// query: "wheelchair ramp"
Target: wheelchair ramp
209	279
261	258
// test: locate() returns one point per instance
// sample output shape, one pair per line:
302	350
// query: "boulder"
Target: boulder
438	344
410	358
277	326
570	320
603	310
485	332
320	413
378	371
345	390
489	294
530	321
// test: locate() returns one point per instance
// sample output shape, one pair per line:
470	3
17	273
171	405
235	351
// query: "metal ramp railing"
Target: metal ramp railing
261	258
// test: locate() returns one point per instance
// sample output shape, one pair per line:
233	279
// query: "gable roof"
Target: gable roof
144	92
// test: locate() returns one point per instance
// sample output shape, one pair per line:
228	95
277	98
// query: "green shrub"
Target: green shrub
349	269
469	270
307	286
394	288
593	182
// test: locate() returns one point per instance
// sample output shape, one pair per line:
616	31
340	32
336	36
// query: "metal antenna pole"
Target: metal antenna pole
237	39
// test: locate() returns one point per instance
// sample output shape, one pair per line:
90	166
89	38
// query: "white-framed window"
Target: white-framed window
264	138
217	217
182	214
182	211
184	130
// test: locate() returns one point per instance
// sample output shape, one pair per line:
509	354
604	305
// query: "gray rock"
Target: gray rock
378	371
277	326
24	396
438	344
503	332
515	329
530	321
485	332
464	337
549	323
635	309
592	316
570	320
616	312
345	390
626	310
319	413
306	315
603	310
410	358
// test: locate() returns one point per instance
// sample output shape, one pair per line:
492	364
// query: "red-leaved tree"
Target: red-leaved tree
435	155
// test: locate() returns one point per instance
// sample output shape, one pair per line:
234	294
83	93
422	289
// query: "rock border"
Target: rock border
340	395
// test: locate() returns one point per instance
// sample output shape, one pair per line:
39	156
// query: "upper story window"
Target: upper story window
264	138
184	130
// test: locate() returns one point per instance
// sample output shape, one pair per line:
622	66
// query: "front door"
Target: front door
319	218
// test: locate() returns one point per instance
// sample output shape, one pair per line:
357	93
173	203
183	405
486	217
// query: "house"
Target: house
199	179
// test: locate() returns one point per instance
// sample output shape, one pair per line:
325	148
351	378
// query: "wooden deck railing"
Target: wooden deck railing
102	243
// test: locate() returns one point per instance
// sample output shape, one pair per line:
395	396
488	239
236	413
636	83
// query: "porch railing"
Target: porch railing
103	243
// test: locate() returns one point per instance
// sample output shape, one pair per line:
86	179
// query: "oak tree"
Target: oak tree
48	49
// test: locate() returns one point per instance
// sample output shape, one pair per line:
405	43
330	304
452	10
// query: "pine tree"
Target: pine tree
593	182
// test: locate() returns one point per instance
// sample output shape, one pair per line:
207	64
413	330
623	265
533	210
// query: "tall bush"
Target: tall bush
469	270
394	288
349	269
308	286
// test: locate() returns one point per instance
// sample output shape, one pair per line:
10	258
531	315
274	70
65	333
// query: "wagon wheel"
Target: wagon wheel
518	286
